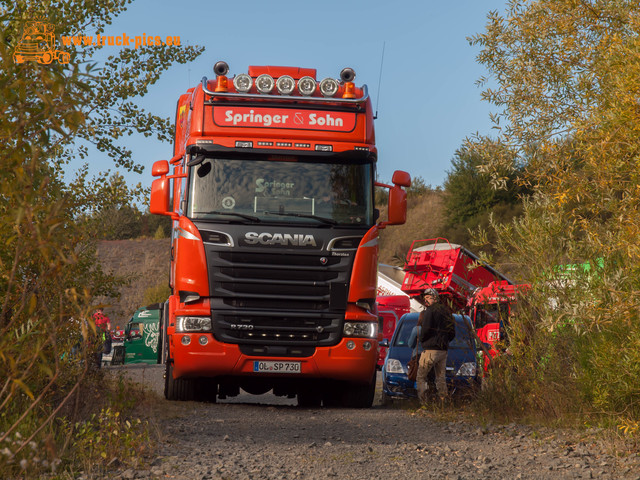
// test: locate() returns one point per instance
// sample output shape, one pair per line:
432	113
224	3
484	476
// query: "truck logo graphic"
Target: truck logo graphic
283	239
38	42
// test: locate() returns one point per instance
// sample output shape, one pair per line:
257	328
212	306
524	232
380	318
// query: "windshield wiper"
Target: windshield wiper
241	215
329	221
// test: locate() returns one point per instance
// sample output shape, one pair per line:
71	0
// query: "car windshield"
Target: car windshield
407	332
406	335
283	189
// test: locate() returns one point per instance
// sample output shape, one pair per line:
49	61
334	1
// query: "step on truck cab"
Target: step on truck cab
275	238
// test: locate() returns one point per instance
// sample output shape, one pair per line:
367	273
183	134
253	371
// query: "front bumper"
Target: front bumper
206	357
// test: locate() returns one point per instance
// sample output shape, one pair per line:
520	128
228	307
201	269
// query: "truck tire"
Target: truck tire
309	399
358	395
181	389
162	339
206	390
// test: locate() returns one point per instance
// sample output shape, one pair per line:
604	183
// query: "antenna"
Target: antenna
379	81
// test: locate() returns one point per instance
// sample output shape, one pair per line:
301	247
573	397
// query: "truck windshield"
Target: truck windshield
284	191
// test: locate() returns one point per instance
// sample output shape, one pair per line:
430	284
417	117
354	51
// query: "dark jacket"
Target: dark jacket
437	327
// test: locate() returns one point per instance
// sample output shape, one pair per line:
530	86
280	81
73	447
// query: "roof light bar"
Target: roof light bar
285	85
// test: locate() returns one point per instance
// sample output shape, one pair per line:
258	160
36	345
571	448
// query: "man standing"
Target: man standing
437	330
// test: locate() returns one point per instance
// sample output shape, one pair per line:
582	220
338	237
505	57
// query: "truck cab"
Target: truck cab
142	334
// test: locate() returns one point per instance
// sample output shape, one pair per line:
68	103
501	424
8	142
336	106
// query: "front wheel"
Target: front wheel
182	389
309	398
357	395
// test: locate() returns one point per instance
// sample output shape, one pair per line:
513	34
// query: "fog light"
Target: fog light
265	83
285	84
242	82
366	346
306	86
203	340
186	340
351	344
328	87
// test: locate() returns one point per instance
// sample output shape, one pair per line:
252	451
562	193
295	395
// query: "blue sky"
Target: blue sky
426	96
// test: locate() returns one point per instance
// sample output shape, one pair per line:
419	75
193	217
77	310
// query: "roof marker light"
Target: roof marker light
306	86
242	83
328	87
265	83
285	84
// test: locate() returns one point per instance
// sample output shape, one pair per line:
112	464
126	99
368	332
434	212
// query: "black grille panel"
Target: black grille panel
278	299
285	329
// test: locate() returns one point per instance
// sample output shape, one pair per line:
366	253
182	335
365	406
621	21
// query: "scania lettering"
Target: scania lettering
279	239
275	238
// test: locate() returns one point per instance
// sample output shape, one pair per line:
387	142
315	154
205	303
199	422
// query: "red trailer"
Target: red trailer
468	284
390	308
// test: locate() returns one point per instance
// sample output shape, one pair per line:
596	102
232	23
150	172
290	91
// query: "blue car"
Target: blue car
462	374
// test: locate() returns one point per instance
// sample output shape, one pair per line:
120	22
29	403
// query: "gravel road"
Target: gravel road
267	437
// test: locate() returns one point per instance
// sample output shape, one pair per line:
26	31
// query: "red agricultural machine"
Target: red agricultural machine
465	282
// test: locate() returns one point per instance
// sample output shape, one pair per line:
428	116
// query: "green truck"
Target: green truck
142	335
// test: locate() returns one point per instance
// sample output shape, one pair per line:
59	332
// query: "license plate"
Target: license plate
264	366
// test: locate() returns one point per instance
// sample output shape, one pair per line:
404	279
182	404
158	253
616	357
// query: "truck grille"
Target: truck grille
277	298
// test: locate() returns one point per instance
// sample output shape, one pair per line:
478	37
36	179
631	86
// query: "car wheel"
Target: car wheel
386	400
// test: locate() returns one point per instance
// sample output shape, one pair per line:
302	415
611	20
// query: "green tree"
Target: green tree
472	202
156	294
49	277
565	77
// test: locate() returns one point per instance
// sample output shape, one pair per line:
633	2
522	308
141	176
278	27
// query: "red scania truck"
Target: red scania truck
275	238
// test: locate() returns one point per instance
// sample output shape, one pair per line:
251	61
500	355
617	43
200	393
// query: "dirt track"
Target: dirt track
268	437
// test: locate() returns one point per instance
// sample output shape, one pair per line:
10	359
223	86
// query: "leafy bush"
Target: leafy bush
568	77
157	294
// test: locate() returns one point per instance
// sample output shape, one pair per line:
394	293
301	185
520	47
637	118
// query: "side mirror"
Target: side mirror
397	208
160	202
384	343
160	168
160	196
401	178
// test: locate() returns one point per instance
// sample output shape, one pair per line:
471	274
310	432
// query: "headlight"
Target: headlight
306	86
467	370
394	366
193	324
360	329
